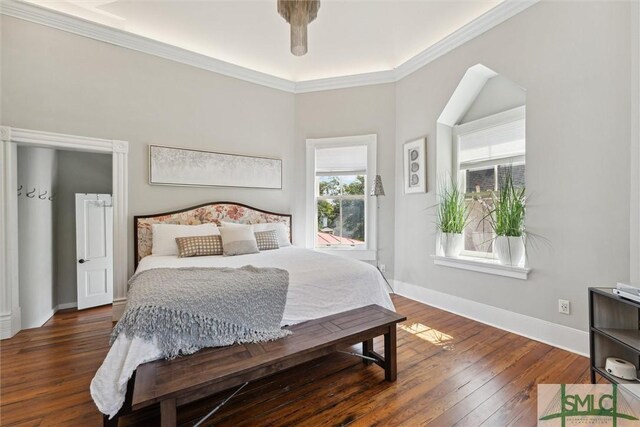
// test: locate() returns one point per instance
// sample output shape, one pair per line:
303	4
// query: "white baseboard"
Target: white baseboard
16	320
66	305
118	308
9	324
42	319
564	337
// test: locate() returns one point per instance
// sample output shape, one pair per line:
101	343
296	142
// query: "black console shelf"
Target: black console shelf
614	331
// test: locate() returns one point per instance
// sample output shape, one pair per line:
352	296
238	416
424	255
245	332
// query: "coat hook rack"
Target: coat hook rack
31	194
20	191
43	196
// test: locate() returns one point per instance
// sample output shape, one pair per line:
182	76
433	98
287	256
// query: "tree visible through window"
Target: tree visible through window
341	210
339	170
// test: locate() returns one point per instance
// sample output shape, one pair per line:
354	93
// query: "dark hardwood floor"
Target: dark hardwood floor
451	371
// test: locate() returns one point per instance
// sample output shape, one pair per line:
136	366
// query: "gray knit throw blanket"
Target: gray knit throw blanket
186	309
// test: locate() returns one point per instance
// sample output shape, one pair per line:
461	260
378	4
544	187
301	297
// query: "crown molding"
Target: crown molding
342	82
495	16
40	15
61	21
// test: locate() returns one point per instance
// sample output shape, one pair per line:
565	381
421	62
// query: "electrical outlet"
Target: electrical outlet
383	267
564	306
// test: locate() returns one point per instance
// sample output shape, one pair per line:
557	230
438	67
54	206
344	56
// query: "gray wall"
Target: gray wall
78	172
36	170
573	60
498	94
345	112
60	82
574	63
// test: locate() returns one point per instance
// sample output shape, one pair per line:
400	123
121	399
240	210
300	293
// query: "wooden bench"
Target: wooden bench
172	383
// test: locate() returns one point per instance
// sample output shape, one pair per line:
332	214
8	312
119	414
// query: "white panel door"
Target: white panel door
94	249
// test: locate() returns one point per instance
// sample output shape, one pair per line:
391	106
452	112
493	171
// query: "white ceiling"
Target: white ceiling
347	38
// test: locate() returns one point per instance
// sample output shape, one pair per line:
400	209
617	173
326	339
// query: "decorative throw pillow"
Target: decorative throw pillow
279	227
238	240
234	224
199	246
164	236
267	240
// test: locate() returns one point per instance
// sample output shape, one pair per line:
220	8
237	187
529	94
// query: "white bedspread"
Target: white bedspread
319	285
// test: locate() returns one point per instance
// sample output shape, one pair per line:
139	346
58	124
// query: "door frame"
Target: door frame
11	138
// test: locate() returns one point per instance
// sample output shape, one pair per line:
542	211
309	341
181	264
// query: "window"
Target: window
339	173
340	207
487	150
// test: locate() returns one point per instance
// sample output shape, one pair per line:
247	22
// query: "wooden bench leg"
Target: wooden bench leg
390	355
168	413
367	348
106	422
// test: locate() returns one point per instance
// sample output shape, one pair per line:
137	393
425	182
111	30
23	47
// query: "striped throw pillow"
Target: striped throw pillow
199	246
267	240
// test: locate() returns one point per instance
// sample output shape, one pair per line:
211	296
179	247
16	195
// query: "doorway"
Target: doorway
11	139
56	224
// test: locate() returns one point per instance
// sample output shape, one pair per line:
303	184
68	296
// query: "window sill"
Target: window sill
489	266
361	254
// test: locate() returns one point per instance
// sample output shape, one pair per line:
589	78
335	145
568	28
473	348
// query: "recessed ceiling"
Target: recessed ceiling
347	38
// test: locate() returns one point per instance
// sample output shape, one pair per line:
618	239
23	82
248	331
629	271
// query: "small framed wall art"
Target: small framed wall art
415	166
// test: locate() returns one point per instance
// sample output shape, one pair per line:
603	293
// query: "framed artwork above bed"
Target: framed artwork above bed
198	168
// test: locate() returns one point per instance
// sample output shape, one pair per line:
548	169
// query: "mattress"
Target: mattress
320	285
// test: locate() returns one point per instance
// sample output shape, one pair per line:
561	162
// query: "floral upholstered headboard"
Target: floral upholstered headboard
215	212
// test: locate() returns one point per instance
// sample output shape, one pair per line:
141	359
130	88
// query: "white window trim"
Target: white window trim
493	120
368	251
515	160
470	260
483	265
477	255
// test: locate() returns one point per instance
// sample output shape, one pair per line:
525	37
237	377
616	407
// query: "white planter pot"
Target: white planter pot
509	250
452	244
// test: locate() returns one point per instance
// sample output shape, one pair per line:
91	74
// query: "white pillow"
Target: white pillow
164	236
238	240
279	227
234	224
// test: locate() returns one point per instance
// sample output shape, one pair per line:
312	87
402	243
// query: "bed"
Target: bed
319	285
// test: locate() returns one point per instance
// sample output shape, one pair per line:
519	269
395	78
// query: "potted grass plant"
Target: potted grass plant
506	216
451	218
